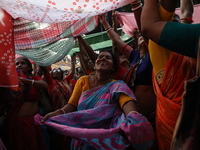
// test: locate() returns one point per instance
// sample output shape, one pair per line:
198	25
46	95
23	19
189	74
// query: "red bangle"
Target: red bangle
189	19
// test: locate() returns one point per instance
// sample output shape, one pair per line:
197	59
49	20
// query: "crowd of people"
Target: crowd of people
129	97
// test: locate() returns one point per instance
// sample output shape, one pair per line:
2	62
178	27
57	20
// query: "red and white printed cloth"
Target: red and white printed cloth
8	75
53	11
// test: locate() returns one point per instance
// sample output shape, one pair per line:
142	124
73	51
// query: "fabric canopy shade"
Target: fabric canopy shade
46	44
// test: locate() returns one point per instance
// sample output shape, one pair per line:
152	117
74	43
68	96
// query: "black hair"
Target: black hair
28	63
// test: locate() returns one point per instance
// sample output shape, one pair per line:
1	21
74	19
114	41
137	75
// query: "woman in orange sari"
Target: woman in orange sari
171	70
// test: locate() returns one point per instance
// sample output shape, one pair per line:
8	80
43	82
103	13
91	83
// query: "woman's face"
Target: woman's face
57	74
104	62
22	65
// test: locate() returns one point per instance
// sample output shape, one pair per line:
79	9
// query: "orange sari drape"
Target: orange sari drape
169	96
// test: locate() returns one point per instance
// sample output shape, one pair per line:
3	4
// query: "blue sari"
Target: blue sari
100	123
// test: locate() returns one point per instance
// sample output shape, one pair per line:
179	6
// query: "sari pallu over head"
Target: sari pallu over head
99	121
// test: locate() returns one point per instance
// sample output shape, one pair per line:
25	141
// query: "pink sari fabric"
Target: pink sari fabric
127	22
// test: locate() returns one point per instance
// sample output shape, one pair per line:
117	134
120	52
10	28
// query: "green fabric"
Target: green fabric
49	54
101	41
181	38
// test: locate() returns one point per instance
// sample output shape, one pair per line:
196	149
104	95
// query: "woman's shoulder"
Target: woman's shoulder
83	78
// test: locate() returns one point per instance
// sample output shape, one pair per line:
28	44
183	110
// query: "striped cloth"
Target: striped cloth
46	44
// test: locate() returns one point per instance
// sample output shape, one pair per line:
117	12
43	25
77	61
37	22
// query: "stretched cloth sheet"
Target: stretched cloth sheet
101	124
31	35
169	96
53	11
8	75
46	44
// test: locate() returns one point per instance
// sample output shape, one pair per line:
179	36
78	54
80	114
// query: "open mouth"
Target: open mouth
103	63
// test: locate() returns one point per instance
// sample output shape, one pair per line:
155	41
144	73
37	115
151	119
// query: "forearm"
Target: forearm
129	107
151	24
137	10
90	52
40	84
73	63
68	108
187	10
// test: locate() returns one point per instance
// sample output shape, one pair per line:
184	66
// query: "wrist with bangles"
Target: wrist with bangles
188	19
108	29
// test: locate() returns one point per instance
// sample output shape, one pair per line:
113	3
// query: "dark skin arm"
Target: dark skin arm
87	49
83	65
40	84
151	24
187	10
112	34
129	106
73	63
114	26
67	108
137	12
